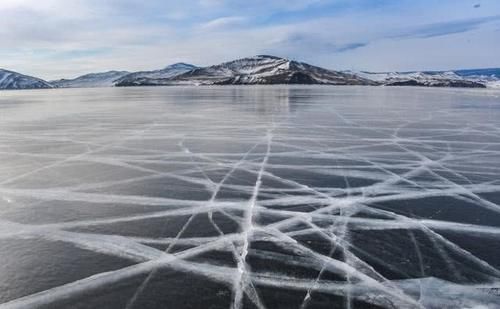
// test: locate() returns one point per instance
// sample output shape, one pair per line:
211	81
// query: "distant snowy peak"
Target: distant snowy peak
262	69
425	79
147	77
105	79
14	80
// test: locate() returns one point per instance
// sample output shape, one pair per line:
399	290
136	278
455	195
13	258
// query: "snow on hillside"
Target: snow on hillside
105	79
14	80
138	78
427	79
492	73
493	84
387	76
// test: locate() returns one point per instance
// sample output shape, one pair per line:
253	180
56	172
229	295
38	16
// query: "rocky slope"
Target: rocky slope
14	80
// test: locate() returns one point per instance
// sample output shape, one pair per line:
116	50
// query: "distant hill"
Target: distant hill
121	78
424	79
14	80
149	77
480	73
261	70
105	79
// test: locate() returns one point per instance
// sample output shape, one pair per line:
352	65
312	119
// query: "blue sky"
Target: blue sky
66	38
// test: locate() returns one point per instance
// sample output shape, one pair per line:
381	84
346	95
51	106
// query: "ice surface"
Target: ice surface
256	197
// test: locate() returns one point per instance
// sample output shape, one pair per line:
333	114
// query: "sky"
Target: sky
65	38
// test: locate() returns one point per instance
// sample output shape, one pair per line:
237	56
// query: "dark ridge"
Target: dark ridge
447	83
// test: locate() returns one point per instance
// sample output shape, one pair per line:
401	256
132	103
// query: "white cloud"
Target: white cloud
224	23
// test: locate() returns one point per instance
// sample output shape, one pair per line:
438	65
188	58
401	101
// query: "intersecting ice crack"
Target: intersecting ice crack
388	208
242	280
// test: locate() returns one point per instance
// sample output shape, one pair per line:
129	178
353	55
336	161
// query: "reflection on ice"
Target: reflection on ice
250	197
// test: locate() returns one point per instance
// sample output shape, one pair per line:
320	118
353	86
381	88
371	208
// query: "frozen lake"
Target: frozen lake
250	197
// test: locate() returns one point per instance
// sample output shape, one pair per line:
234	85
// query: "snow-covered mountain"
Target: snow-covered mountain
14	80
261	69
481	78
480	73
489	77
149	77
105	79
121	78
